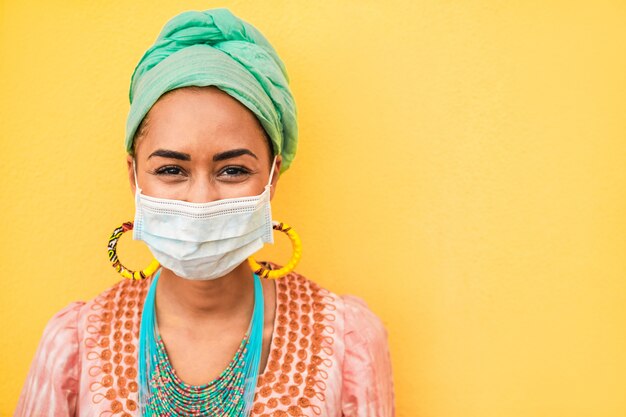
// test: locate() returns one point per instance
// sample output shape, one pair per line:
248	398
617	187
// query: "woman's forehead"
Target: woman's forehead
204	120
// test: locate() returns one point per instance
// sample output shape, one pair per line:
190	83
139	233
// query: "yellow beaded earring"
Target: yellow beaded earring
125	272
267	273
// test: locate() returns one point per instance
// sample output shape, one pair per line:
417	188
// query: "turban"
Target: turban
214	47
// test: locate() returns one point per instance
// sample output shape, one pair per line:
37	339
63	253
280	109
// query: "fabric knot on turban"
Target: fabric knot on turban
214	47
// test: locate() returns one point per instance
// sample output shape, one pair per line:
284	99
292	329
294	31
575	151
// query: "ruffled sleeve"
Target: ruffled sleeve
51	387
367	377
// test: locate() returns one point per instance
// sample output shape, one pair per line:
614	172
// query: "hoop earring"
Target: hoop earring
125	272
263	271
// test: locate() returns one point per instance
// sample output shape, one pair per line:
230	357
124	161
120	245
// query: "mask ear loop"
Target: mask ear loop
135	175
269	184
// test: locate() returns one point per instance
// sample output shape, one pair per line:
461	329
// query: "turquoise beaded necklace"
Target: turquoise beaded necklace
163	394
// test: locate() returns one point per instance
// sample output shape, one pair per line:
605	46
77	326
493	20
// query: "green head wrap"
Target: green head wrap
214	47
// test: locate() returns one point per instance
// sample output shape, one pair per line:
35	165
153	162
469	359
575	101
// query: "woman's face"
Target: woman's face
201	145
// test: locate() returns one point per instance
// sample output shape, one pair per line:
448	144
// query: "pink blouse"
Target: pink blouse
328	357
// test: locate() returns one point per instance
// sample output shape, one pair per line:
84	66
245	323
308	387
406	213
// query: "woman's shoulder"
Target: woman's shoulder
86	320
351	310
60	330
66	316
80	344
351	305
120	290
361	320
74	316
124	294
352	342
337	344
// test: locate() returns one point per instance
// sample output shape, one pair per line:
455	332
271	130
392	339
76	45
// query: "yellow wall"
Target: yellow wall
461	168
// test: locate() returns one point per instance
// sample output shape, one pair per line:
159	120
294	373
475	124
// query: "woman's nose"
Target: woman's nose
202	190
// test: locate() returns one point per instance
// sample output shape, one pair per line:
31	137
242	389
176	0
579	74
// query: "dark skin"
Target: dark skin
202	145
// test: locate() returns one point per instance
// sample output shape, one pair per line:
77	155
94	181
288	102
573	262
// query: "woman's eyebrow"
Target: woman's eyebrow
233	153
165	153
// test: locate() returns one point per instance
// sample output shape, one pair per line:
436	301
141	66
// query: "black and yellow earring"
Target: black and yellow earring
123	271
264	272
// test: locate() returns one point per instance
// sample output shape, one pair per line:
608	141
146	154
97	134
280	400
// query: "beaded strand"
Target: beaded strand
164	394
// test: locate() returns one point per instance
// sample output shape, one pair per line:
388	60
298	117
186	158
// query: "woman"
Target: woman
202	331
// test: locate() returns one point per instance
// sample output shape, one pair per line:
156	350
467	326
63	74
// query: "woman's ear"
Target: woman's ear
131	173
279	160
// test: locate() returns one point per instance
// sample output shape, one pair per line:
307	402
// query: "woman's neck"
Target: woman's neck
186	301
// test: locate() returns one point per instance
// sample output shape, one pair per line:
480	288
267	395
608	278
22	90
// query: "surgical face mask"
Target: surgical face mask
202	241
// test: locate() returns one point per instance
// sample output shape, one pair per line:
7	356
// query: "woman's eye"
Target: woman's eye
234	172
169	170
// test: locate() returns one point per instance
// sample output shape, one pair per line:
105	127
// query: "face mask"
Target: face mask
203	241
